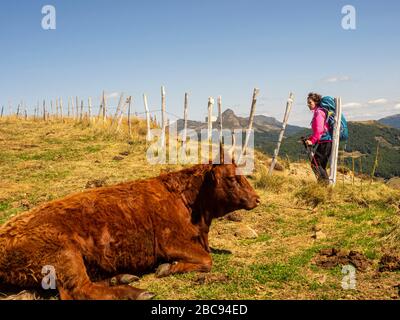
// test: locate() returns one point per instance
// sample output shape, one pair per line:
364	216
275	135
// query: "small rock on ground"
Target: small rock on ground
234	216
245	232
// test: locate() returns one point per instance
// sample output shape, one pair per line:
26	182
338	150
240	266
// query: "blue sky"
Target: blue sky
206	48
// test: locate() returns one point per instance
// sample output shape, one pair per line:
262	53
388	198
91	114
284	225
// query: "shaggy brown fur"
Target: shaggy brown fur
131	227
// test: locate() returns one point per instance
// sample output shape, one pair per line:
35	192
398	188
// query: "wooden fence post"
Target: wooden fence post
285	121
209	127
123	111
146	108
57	109
76	108
256	91
129	117
61	109
90	109
81	116
117	111
72	108
375	162
44	110
163	118
221	143
2	111
335	143
25	112
185	119
69	106
209	119
104	106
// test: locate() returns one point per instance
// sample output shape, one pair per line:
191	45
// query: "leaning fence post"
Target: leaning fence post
76	108
163	118
81	116
209	127
57	109
209	119
104	107
117	111
61	110
123	111
26	112
69	107
146	108
221	143
185	118
90	109
375	166
44	110
129	117
285	121
72	108
335	144
251	119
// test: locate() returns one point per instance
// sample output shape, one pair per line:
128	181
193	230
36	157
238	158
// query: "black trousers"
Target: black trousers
320	161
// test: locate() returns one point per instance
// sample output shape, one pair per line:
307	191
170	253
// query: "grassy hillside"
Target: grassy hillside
363	137
270	254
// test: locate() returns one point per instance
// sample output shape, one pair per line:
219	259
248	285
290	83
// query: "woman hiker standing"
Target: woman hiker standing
321	138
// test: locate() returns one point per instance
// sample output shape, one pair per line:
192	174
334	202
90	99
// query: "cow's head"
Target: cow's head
228	191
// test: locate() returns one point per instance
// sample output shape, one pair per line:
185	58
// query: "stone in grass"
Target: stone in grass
245	232
278	166
118	158
25	204
96	183
317	233
125	153
234	216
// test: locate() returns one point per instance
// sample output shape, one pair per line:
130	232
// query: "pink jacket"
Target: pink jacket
319	126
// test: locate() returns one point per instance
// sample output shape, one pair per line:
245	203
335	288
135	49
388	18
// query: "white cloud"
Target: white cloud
112	95
397	106
337	79
352	105
378	101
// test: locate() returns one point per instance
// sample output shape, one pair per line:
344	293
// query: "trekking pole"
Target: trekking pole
310	152
311	155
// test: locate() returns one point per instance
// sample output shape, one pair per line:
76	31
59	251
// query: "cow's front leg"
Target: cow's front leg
186	262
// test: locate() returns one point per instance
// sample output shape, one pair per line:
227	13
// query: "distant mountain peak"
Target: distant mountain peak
391	121
261	124
228	112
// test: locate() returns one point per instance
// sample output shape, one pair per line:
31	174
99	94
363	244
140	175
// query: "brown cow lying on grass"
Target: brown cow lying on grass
129	228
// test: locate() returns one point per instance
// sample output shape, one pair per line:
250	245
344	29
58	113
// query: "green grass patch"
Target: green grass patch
266	273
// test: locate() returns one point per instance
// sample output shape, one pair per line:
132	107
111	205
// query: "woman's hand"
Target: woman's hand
309	143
